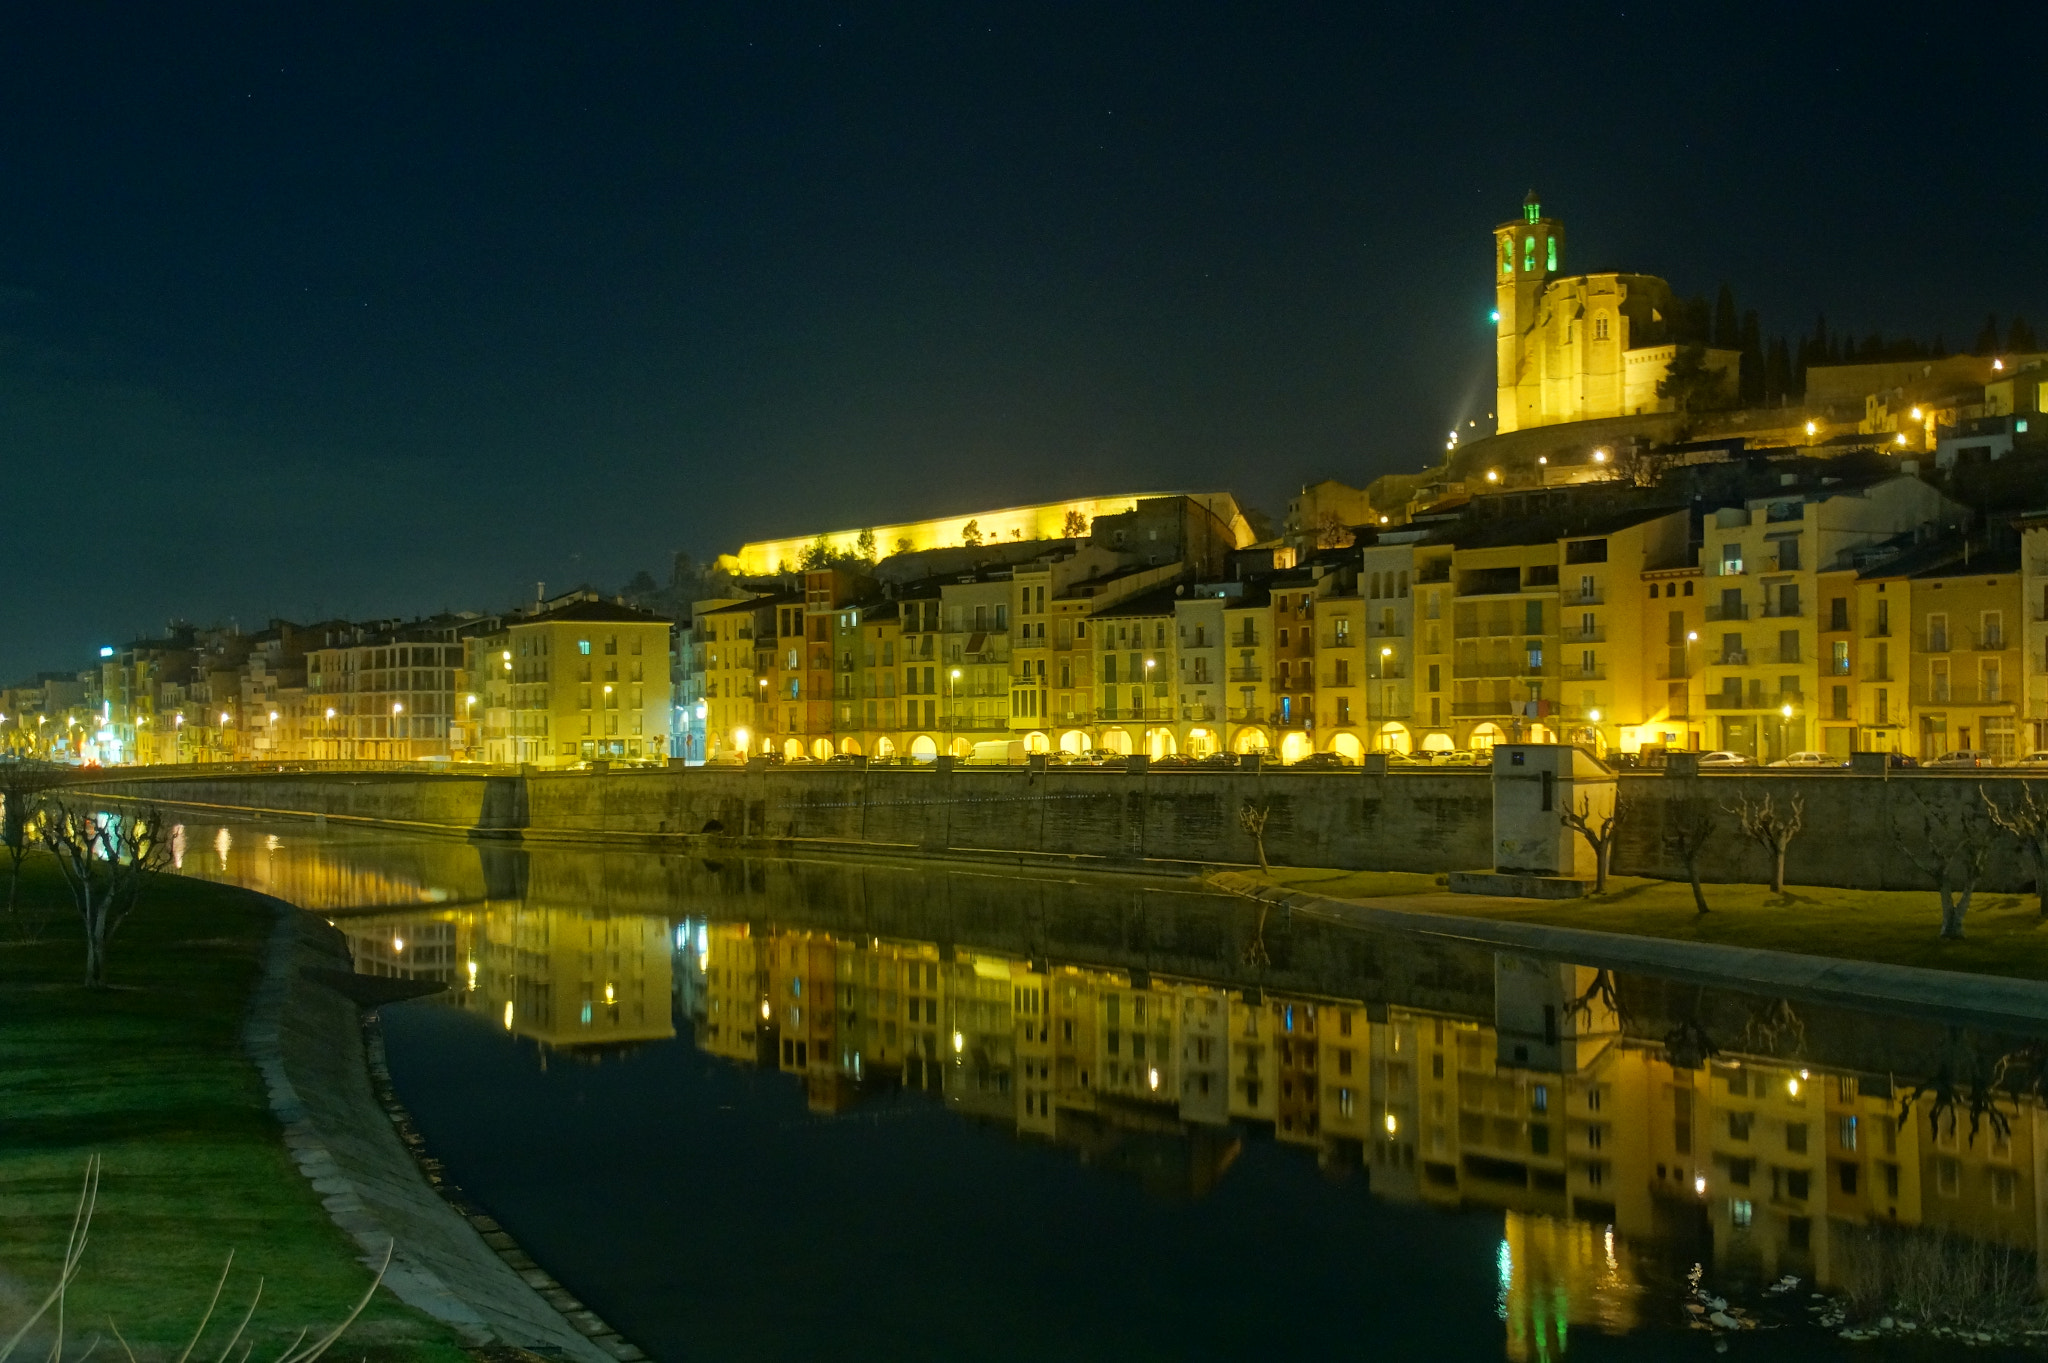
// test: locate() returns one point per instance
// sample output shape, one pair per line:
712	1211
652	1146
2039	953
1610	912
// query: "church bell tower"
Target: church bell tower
1525	256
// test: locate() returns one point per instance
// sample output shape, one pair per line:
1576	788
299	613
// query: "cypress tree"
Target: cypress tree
1987	339
1752	383
1726	334
1778	372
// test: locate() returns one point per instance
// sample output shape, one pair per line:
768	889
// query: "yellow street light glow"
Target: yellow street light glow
1785	710
1812	427
1792	1087
1153	1078
398	944
508	1015
1916	414
956	673
507	655
330	713
1383	520
1900	439
607	690
273	716
1599	456
765	1009
1543	459
959	1043
1593	715
223	716
1393	1124
1386	653
1493	475
1998	364
610	995
1699	1183
469	700
472	975
397	708
1692	636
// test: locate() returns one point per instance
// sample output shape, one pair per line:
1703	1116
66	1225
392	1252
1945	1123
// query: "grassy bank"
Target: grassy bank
2004	933
150	1075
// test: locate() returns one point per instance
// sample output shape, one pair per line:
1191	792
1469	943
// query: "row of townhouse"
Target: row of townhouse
1577	1130
1759	626
579	678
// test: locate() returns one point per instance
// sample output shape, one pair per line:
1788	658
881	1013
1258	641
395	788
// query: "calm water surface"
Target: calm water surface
766	1109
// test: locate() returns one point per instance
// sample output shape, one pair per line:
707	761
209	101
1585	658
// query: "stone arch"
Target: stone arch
1438	741
1347	747
1251	740
1484	736
1035	741
1116	740
1159	743
1073	741
885	748
924	747
821	748
1295	746
792	749
1394	737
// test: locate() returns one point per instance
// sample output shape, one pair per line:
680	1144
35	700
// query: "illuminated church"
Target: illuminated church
1577	347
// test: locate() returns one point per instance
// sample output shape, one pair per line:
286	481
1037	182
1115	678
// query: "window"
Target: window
1550	243
1528	254
1795	1137
1600	327
1741	1211
583	647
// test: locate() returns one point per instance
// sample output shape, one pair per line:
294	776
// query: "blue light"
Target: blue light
106	652
1493	316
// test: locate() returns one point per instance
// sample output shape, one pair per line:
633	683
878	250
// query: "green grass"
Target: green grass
150	1076
2004	934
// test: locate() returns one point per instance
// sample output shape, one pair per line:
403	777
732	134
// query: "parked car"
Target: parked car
2037	760
1960	759
1219	760
1725	759
1807	759
1322	761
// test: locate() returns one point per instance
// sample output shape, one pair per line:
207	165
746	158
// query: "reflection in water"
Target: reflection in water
1622	1128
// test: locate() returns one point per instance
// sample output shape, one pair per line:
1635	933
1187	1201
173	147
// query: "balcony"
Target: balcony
1474	709
1669	673
1963	694
1595	635
1782	610
1498	667
1498	627
1247	674
1879	674
1389	672
1400	709
1338	641
1388	629
1582	673
1834	668
1247	714
962	724
1198	714
1577	597
1993	642
1150	714
1754	700
1733	657
1717	614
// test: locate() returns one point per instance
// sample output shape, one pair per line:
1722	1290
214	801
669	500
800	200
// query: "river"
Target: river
750	1108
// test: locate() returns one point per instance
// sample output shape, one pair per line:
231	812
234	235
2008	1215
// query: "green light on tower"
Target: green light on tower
1493	316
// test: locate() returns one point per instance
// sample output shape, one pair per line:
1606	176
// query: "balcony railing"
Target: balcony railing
1582	673
1716	614
1832	668
1150	714
1595	635
974	723
1733	657
1965	694
1248	714
1466	709
1198	714
1246	674
1499	627
1503	667
1387	629
1781	610
1754	700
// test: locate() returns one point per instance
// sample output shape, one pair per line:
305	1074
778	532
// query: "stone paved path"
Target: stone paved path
307	1041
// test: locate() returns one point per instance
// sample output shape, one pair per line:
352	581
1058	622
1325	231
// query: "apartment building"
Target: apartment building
583	680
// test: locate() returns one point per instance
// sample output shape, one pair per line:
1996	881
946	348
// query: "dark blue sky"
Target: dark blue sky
337	309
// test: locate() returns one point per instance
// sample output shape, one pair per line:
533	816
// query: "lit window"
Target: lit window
1551	244
1528	254
583	647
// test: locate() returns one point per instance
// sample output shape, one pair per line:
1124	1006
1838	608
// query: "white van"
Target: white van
998	752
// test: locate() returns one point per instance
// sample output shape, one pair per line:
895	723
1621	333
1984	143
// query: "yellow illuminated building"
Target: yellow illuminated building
1577	347
1041	521
587	680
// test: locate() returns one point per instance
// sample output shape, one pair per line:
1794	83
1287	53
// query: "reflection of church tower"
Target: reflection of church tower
1525	253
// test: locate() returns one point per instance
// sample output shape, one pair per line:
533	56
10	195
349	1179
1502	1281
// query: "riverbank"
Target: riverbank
2005	934
151	1075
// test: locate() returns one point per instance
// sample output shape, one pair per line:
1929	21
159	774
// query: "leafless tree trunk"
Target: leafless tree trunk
1763	824
1600	839
1688	830
1951	846
106	860
1253	819
2026	822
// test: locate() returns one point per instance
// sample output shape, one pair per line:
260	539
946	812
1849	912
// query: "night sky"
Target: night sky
312	310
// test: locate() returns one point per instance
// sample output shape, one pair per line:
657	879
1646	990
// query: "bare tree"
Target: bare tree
21	788
1688	827
1331	533
1252	817
1600	839
2025	822
107	860
1764	825
1951	847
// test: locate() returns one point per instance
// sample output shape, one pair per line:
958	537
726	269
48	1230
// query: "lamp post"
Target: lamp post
397	709
469	726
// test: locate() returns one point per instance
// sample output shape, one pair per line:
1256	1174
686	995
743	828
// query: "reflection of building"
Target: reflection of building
1592	1144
